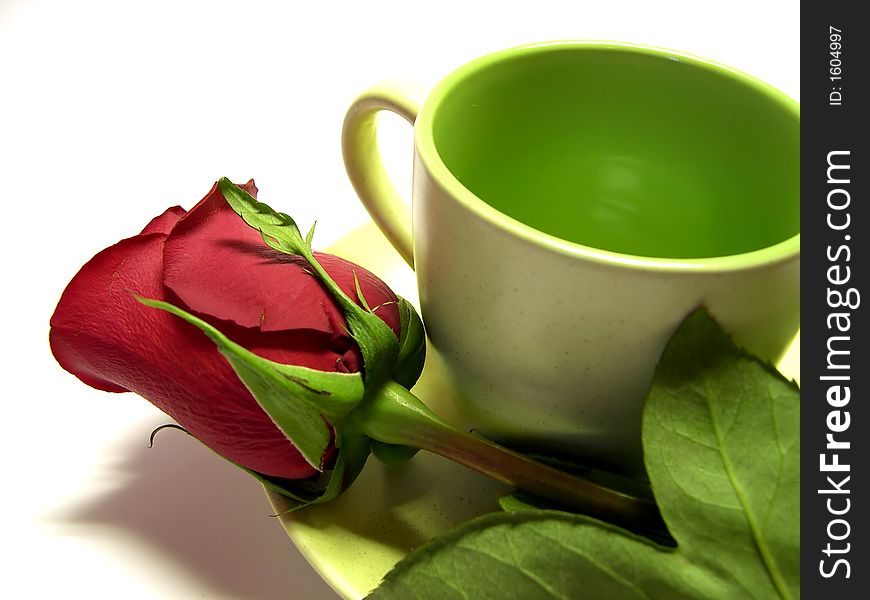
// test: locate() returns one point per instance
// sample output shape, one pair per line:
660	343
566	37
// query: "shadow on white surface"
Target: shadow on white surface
187	506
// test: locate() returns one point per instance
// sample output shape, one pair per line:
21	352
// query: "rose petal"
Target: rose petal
101	334
165	222
219	266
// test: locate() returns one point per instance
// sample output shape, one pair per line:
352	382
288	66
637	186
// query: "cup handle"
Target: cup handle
362	160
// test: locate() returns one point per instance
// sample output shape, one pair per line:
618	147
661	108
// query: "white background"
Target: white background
110	111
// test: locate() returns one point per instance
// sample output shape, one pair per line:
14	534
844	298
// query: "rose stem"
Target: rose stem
395	416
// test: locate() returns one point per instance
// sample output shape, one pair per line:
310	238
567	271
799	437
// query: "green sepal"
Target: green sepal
406	372
279	230
323	487
295	490
302	402
519	500
359	294
309	237
377	342
348	464
392	455
328	485
412	346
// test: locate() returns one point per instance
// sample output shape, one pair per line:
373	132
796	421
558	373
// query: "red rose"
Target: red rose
209	262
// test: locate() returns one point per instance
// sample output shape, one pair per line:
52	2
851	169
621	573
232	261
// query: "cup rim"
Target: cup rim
427	152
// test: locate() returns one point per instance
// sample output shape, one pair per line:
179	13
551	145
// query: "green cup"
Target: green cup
572	203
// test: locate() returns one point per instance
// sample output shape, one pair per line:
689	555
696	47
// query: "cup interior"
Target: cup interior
629	150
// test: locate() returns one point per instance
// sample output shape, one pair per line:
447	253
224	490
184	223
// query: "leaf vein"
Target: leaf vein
764	551
522	570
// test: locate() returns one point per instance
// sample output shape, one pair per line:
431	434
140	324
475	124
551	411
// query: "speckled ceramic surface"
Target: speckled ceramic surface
355	540
572	203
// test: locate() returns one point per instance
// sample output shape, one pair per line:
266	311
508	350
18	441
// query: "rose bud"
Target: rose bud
293	357
210	263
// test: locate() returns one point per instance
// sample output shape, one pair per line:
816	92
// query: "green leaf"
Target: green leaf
721	440
544	555
377	342
302	402
722	446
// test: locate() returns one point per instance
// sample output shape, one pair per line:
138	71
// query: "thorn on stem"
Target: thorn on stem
161	428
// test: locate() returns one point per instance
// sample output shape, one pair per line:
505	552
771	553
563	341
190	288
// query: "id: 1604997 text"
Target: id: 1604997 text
835	66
